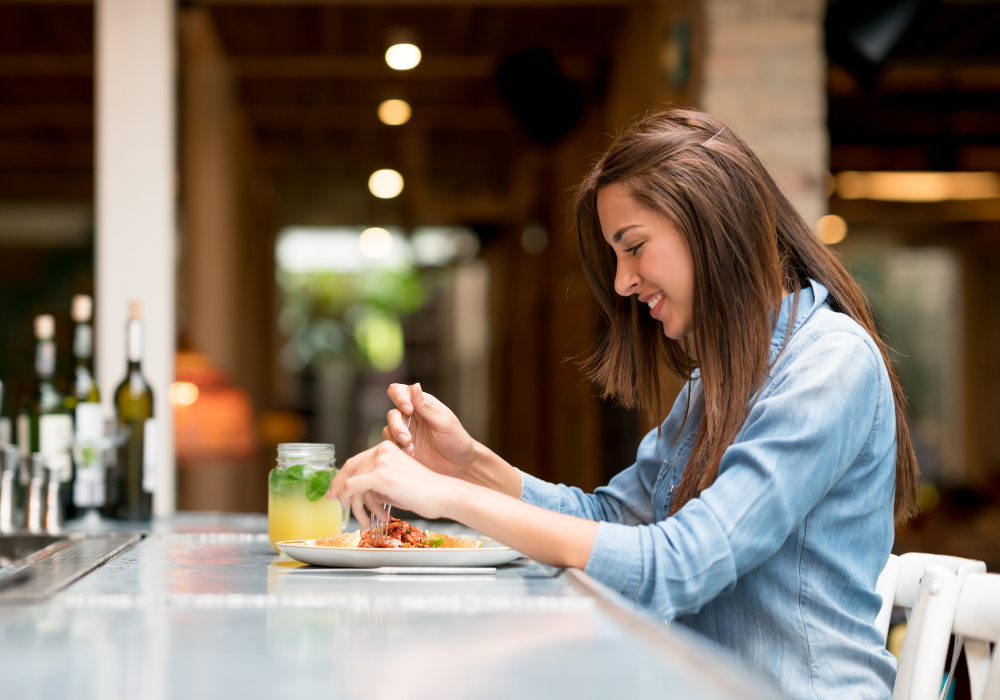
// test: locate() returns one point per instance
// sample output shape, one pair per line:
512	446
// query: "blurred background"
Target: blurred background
314	215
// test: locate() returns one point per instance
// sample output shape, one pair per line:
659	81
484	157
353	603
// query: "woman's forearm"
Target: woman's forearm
491	471
546	536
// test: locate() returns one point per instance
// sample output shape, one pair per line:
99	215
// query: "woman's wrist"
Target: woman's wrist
488	469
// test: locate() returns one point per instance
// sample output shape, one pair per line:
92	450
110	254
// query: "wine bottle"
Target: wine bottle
131	479
50	426
88	418
5	430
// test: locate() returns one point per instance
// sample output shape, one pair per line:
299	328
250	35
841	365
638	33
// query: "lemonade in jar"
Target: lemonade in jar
296	507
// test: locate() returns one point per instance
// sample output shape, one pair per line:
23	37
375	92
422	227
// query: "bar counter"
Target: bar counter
203	607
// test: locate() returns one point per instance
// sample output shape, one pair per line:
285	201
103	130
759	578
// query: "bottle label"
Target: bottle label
89	421
45	358
88	487
84	383
55	435
83	340
24	434
4	431
149	452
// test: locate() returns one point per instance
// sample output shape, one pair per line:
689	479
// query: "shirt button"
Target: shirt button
671	488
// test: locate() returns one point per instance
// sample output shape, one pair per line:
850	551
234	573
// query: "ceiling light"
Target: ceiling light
917	186
831	229
385	184
394	112
183	393
402	56
375	242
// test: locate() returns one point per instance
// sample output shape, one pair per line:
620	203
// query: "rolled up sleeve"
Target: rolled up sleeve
626	500
797	442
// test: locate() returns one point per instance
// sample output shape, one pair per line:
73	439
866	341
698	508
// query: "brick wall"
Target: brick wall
764	75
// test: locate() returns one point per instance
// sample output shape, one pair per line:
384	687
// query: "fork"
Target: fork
377	530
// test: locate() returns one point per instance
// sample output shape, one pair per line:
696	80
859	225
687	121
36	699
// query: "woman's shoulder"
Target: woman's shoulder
833	338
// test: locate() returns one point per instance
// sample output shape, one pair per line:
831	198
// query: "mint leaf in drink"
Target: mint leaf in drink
296	472
319	484
276	480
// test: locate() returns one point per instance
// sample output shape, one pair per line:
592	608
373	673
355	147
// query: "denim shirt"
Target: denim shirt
778	558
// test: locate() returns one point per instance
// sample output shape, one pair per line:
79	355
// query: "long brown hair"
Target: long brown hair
748	243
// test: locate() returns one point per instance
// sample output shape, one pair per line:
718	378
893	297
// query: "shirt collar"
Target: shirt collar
811	298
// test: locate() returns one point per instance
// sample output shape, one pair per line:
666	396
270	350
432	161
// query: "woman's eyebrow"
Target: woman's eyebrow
621	232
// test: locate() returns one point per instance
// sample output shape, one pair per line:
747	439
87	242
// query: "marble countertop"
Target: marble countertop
203	607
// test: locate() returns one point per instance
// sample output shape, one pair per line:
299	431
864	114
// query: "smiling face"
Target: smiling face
654	260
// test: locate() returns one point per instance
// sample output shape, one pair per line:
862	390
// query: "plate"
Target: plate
492	553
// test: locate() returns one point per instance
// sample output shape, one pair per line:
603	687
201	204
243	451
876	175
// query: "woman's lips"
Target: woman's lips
655	303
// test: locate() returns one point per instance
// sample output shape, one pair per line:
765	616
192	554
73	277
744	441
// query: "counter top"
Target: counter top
204	608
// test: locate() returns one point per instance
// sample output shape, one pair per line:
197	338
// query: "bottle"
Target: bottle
84	400
84	388
131	479
5	429
50	427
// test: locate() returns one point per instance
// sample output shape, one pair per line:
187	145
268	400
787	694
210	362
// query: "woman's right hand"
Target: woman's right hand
435	437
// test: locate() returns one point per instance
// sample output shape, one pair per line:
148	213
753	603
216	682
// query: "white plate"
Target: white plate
492	553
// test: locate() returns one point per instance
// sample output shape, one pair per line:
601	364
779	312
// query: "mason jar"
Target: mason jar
296	505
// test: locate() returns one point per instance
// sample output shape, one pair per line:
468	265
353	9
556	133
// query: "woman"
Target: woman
760	512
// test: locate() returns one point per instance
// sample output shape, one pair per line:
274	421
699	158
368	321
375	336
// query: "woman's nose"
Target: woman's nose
626	280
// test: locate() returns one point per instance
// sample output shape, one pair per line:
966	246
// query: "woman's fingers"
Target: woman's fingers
400	395
398	431
358	508
387	436
374	506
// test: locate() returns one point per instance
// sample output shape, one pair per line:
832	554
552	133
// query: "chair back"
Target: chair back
967	606
928	633
977	620
900	580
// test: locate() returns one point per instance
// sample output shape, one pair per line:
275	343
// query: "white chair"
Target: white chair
900	580
928	633
977	620
967	606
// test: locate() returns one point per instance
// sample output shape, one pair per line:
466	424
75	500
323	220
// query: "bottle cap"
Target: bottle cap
135	310
45	327
83	307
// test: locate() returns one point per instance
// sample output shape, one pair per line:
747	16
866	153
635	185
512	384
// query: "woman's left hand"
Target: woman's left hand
384	474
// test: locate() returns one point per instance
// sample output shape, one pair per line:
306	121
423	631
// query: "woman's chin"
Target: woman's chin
673	332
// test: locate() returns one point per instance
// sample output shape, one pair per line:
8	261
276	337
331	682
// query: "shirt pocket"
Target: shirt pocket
670	476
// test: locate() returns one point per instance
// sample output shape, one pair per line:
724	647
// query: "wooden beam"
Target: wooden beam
47	64
867	211
34	155
46	2
420	3
51	116
361	67
18	184
355	117
925	76
375	68
302	66
368	3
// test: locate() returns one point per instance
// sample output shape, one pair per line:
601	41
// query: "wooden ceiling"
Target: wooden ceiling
935	103
311	74
310	78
